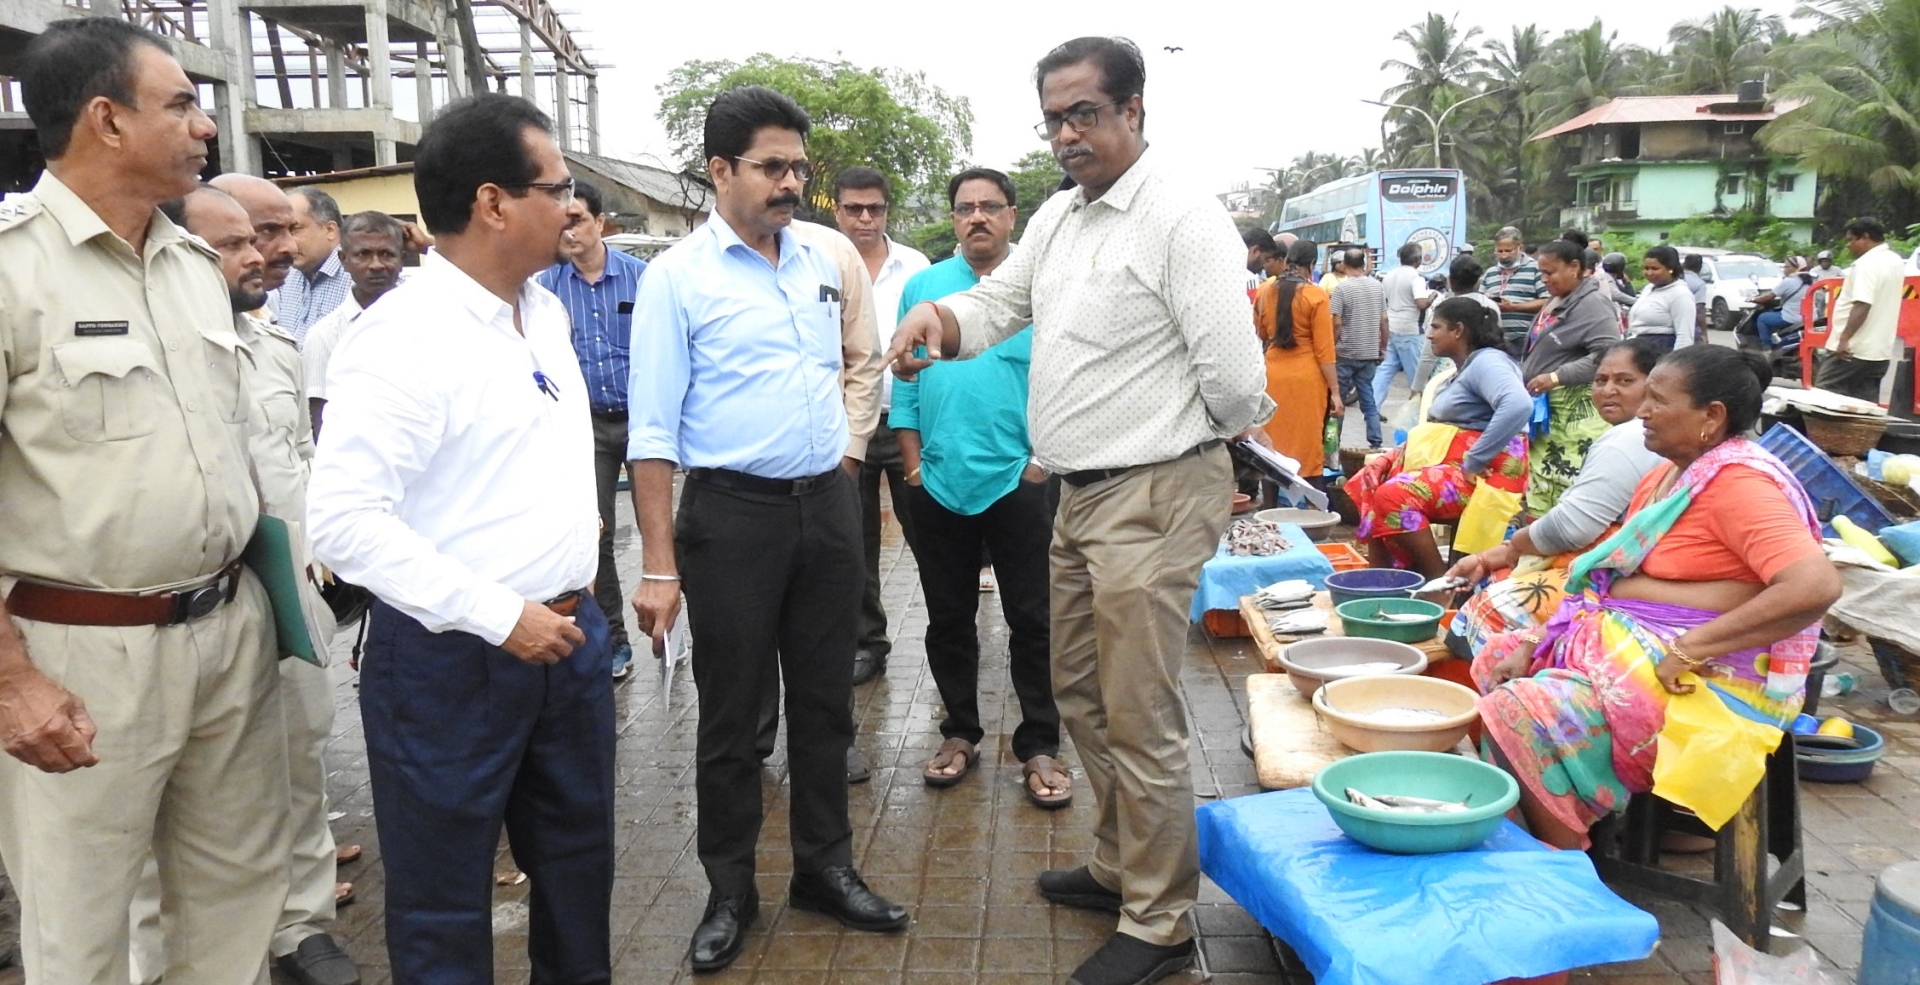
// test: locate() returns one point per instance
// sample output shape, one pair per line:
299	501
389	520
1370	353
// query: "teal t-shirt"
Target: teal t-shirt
971	413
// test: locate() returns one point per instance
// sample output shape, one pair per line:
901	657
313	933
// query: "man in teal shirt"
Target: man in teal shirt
962	428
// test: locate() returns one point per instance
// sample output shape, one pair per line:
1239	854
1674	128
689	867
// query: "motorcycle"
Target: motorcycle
1785	354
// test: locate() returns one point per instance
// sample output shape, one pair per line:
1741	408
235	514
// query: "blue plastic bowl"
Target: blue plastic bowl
1842	765
1433	775
1373	583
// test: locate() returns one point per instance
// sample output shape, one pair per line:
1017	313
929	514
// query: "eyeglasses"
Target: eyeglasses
561	190
878	210
962	210
1081	120
777	169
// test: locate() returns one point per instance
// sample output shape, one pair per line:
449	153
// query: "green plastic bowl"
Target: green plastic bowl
1433	775
1360	617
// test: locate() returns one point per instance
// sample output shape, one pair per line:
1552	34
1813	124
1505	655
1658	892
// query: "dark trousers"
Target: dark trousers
771	579
1017	530
1857	378
883	457
462	737
609	453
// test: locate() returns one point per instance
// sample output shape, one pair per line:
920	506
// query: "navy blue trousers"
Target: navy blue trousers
463	737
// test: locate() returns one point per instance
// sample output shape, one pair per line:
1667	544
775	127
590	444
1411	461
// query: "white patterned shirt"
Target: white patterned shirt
1143	341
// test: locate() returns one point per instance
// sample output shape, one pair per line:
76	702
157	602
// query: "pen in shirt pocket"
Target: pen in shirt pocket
546	384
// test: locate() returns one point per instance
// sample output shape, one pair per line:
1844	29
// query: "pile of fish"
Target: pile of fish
1252	537
1406	805
1299	622
1282	595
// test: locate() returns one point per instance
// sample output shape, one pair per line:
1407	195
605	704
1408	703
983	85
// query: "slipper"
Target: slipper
346	854
1042	766
948	750
342	893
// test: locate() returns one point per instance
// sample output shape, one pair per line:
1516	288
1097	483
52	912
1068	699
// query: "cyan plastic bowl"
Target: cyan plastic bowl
1433	775
1373	583
1367	618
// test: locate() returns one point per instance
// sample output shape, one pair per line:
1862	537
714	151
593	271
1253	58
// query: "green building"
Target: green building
1648	162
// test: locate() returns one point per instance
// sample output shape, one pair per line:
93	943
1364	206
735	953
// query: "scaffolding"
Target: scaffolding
310	86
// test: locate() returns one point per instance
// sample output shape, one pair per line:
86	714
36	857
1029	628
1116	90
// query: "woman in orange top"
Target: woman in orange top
1299	354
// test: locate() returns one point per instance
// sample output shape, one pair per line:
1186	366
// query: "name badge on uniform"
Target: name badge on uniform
91	329
829	293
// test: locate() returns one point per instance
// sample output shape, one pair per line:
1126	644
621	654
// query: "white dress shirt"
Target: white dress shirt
901	264
1878	278
316	350
1143	341
448	482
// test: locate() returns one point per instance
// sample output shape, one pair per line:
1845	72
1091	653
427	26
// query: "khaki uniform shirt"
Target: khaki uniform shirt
280	437
123	403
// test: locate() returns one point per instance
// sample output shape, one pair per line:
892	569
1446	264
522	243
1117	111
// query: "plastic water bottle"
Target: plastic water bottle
1904	700
1836	685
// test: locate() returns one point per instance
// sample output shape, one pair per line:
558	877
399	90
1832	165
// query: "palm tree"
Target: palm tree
1584	69
1517	64
1859	75
1718	52
1444	68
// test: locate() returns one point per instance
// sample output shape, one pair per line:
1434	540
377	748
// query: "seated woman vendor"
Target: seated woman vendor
1712	589
1475	437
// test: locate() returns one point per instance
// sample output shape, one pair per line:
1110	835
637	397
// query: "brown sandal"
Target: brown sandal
944	758
1046	767
346	854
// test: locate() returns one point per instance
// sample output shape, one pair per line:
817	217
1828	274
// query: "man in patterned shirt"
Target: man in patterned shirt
598	285
317	284
1144	363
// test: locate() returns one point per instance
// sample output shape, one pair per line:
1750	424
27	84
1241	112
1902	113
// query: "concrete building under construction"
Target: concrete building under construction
303	87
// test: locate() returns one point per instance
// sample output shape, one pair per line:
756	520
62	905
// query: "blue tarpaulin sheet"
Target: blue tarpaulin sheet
1225	578
1512	908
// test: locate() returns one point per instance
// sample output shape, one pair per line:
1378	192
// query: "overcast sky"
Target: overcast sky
1250	88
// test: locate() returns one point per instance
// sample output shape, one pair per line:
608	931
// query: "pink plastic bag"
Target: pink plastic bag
1734	963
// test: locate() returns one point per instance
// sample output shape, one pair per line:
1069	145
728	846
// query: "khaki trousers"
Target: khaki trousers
1126	560
192	765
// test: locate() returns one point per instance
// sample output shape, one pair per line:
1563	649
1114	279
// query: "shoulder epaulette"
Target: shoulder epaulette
15	211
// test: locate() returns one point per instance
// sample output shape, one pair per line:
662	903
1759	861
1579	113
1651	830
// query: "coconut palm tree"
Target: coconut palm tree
1718	52
1518	65
1584	69
1443	68
1859	76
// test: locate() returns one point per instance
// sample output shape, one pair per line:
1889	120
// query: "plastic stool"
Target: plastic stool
1890	953
1627	851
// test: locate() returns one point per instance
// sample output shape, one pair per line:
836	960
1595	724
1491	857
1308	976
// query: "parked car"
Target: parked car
1732	281
640	244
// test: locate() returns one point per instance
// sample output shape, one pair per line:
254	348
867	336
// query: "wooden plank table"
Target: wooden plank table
1269	644
1289	743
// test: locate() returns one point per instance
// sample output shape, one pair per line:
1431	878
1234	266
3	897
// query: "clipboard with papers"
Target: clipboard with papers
1284	471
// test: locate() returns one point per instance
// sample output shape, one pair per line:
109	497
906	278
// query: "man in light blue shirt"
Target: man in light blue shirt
972	483
738	358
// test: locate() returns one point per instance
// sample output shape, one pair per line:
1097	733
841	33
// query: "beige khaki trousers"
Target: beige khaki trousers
193	769
1126	560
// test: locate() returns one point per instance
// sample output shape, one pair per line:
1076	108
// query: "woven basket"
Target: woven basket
1849	436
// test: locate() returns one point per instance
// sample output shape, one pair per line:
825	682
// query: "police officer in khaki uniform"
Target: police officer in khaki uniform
139	700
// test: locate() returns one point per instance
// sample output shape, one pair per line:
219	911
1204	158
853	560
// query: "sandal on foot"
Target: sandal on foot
342	893
346	854
1047	769
944	759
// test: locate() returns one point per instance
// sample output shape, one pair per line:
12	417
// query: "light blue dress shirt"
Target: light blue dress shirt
736	362
971	413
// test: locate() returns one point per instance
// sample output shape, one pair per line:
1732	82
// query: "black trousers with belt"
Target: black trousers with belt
463	737
1016	530
771	580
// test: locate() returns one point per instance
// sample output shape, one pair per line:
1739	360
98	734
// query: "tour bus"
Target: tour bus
1382	210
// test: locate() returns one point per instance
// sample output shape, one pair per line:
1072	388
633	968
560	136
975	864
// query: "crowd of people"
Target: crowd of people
446	442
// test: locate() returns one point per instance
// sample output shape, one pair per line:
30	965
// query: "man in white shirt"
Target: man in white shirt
861	199
1866	316
1407	300
371	247
455	483
1144	362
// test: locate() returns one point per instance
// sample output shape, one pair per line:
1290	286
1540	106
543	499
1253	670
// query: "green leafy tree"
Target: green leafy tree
1443	68
1718	52
889	119
1036	175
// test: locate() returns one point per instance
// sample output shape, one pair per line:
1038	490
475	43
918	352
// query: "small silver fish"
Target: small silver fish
1406	805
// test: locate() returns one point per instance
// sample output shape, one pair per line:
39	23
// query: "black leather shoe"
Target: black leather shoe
1126	960
859	768
840	893
1077	887
722	931
319	961
867	665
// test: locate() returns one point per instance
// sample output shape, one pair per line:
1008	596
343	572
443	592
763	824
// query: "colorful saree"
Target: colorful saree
1582	731
1399	492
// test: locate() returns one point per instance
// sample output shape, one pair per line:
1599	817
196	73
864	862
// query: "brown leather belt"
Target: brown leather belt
68	606
1087	477
568	604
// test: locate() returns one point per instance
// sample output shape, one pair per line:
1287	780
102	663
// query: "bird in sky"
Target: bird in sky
1169	47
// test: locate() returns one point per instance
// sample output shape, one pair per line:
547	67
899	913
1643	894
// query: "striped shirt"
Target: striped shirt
302	300
1519	283
1358	305
602	316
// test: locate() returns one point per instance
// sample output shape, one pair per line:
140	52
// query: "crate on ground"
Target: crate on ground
1224	624
1832	490
1345	556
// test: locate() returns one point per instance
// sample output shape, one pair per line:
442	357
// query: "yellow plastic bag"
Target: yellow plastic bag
1483	524
1427	445
1708	758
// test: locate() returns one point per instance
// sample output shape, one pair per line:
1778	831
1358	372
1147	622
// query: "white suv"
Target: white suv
1732	281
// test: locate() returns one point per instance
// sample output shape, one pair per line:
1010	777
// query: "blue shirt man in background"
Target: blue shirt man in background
753	376
598	286
972	483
